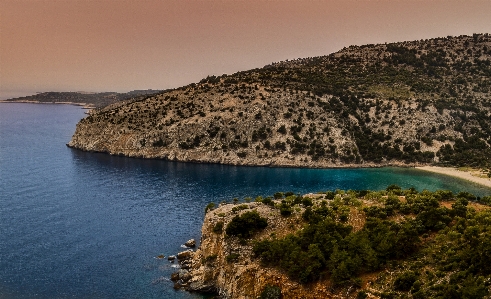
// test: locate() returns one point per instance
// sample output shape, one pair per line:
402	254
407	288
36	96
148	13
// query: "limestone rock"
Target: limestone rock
191	243
184	255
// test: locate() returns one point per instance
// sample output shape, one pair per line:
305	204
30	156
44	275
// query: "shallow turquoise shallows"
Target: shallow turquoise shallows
86	225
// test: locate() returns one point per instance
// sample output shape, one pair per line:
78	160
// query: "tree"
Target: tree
245	225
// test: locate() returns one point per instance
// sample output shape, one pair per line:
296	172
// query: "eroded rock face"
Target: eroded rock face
244	277
184	255
190	243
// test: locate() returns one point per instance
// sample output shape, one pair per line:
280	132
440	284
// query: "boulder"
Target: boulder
190	243
186	264
185	277
201	287
174	276
171	257
184	255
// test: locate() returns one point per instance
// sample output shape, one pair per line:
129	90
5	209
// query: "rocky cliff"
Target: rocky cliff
345	244
409	103
225	265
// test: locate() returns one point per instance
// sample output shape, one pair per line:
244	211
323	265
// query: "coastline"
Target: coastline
82	105
454	172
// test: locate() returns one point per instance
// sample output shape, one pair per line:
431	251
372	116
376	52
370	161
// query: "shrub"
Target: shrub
268	201
240	208
405	281
241	154
209	207
330	195
233	257
307	202
218	228
278	195
285	209
210	259
282	130
245	225
397	190
270	292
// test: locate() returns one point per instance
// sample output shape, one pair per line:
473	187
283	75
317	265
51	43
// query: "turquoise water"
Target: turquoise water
87	225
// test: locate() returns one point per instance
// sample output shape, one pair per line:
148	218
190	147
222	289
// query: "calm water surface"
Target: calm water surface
86	225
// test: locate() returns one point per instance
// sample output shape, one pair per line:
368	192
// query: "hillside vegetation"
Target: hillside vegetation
387	244
418	102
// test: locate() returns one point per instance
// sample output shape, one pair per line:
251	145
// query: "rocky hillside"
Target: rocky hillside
356	244
418	102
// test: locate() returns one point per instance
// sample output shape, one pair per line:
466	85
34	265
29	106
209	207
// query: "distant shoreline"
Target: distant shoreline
454	172
84	105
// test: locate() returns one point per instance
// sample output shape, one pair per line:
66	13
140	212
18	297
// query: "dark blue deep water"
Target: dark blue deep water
86	225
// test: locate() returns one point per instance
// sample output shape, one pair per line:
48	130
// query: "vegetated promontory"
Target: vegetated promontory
88	99
387	244
405	103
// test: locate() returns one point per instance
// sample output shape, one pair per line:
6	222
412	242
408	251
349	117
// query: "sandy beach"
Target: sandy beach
471	175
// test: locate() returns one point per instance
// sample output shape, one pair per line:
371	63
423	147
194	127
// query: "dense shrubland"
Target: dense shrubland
421	244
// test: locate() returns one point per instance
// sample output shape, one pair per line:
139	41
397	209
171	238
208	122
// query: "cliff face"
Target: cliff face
405	103
345	244
226	264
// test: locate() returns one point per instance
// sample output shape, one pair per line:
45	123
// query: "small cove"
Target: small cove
87	225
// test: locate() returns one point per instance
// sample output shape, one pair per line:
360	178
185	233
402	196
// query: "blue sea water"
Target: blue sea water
86	225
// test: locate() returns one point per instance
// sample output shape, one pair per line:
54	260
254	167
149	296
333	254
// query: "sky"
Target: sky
123	45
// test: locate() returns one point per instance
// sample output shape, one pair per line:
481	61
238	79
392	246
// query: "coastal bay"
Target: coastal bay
91	225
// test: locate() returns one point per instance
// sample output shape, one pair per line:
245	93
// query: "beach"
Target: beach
469	175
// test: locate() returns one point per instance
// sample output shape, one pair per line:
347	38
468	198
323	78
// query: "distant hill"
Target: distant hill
406	103
93	100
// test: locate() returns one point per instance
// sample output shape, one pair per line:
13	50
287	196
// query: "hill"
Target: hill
88	99
406	103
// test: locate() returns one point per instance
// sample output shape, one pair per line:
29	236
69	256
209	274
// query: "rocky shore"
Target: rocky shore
224	265
401	231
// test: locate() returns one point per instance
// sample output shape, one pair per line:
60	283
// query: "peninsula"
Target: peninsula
392	243
89	100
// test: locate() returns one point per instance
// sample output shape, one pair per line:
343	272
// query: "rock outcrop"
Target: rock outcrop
225	265
345	244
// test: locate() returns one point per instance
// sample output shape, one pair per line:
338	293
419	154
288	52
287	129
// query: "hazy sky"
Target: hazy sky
118	45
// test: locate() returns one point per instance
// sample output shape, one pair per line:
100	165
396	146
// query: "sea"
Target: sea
76	224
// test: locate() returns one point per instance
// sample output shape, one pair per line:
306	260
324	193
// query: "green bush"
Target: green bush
209	207
270	292
268	201
245	225
218	228
285	209
278	195
232	258
405	281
